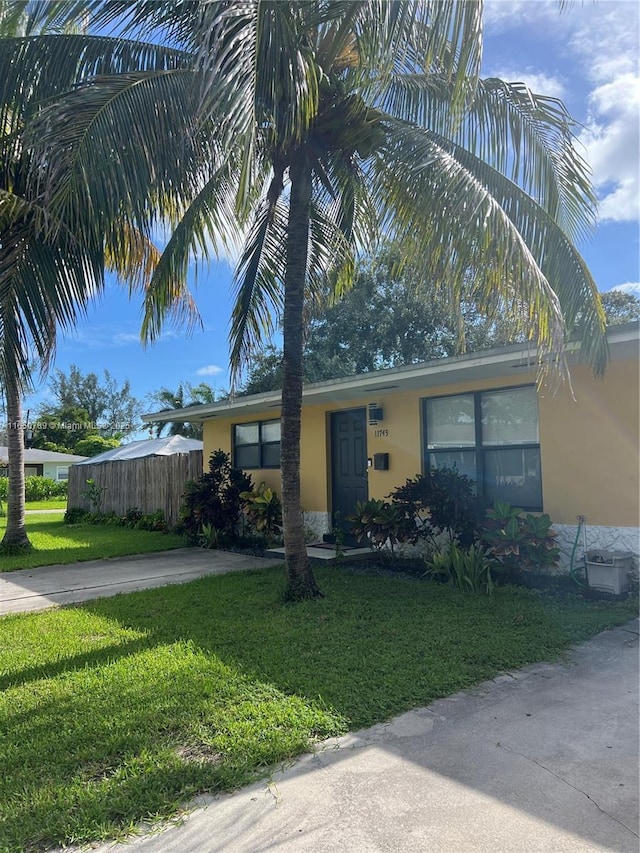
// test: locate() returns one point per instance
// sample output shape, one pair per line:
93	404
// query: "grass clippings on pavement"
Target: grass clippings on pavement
120	709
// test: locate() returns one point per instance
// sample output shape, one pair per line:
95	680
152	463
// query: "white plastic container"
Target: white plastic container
608	571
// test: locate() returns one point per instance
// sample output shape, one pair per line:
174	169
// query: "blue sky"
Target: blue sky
587	55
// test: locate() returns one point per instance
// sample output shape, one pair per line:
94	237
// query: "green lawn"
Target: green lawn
120	709
54	503
56	542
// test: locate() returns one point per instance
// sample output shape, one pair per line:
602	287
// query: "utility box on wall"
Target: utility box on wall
380	461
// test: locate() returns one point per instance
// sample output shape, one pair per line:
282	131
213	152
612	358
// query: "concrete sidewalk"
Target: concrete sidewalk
544	759
36	589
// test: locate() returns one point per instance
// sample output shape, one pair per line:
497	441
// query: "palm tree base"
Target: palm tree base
15	544
302	587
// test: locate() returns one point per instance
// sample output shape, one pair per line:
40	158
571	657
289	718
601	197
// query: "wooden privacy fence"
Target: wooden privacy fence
148	483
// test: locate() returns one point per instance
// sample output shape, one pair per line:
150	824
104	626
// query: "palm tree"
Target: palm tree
309	129
184	395
48	271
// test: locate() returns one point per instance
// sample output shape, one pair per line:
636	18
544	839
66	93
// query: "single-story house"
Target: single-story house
42	463
570	451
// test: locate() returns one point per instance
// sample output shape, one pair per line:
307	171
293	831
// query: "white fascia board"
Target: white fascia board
489	364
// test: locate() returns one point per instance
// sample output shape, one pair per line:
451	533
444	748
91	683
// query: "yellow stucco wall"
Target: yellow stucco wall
589	446
217	436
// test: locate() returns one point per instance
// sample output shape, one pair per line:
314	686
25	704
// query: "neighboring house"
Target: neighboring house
42	463
551	450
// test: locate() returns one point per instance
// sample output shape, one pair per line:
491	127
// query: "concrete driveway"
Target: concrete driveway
37	589
544	760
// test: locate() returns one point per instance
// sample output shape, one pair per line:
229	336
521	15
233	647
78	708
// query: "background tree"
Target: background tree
309	127
387	320
62	428
185	395
620	307
95	444
390	317
111	407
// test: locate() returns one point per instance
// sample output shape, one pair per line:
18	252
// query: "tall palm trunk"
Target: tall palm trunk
300	580
15	537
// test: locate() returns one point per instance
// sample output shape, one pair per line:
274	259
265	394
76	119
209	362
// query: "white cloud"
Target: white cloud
632	287
600	40
123	338
501	15
612	143
605	38
209	370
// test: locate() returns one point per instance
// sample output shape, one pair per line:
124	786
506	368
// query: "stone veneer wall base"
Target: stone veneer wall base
625	539
317	523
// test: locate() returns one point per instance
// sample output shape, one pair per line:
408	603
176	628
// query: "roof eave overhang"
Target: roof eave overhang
517	361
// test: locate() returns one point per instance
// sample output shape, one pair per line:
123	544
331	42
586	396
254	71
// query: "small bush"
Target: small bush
131	517
152	521
379	522
214	499
36	488
43	489
467	569
75	515
442	500
263	511
521	542
94	494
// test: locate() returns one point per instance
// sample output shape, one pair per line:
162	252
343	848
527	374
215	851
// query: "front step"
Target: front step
325	552
348	540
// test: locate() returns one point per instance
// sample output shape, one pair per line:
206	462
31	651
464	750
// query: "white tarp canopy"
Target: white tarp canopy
147	447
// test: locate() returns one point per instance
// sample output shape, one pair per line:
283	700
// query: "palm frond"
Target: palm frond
467	220
526	136
435	36
122	123
261	50
258	285
207	224
135	260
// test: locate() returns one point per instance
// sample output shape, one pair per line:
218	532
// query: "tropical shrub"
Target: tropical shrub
465	568
215	499
36	488
152	521
94	494
521	542
442	501
380	522
263	511
131	518
75	515
208	537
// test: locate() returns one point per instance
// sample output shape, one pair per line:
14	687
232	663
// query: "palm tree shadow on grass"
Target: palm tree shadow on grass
374	647
226	681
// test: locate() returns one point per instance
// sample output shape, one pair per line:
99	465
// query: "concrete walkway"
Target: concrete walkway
36	589
544	760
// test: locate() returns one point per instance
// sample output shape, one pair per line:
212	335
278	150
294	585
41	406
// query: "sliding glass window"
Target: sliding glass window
492	437
256	445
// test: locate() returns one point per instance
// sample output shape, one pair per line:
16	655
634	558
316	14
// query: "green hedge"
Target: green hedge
36	489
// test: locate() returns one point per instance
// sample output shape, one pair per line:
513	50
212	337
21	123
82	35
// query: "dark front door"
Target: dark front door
348	463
